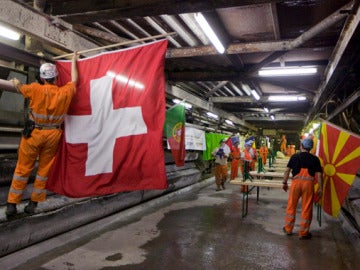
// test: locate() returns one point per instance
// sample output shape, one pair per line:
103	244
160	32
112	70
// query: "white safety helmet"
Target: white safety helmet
48	71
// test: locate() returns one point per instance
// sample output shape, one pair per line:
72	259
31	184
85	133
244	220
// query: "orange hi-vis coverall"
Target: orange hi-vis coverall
247	157
221	166
283	143
235	154
302	186
49	105
264	151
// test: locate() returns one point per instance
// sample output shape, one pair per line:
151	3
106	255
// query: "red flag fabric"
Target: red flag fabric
175	132
339	154
112	140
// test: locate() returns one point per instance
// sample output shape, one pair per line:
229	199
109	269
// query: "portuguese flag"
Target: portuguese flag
175	132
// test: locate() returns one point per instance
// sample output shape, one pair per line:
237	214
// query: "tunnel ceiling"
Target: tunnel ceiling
257	34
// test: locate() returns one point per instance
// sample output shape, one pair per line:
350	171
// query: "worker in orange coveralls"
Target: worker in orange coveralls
221	155
48	107
248	155
264	151
283	143
305	167
235	155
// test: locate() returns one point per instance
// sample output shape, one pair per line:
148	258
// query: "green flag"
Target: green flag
175	132
212	141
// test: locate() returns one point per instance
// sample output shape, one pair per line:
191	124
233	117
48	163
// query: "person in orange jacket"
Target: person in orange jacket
48	107
283	143
248	155
221	155
305	167
264	151
235	155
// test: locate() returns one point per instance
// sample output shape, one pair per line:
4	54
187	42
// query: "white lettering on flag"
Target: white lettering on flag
100	129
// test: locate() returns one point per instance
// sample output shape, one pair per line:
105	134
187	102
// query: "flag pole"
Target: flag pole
115	45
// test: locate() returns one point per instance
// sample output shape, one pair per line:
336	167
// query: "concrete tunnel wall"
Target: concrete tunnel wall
60	214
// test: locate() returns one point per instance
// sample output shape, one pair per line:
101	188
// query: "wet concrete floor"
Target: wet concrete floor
201	229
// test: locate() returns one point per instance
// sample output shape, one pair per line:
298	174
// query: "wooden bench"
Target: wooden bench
254	183
257	183
264	175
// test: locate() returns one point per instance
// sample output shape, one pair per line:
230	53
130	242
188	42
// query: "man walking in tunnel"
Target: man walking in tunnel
305	167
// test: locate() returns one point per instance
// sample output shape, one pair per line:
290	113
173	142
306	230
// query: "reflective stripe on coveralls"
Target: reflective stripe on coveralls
302	185
47	140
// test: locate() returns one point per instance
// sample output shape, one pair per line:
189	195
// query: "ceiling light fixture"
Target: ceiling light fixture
187	105
287	71
255	94
246	88
266	109
272	117
7	33
209	32
212	115
286	98
229	122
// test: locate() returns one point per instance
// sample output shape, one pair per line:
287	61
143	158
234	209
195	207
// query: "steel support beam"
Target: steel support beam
278	117
324	92
10	53
47	29
349	101
195	101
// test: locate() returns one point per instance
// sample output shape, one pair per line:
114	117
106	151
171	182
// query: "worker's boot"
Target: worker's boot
30	208
10	210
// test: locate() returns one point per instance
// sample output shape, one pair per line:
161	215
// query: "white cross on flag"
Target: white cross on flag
112	139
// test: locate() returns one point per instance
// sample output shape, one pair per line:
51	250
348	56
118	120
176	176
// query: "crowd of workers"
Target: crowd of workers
304	166
49	104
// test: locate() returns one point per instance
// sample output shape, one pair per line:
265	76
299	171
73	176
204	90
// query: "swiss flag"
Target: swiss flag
112	139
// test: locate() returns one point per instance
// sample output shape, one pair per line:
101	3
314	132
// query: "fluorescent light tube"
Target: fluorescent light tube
7	33
286	98
212	115
272	117
255	94
229	122
316	125
293	71
266	109
246	88
187	105
209	32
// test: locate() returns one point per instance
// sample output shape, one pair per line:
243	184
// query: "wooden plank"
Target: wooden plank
279	175
281	161
259	183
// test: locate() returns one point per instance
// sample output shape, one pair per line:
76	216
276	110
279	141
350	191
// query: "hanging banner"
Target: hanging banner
112	140
339	154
